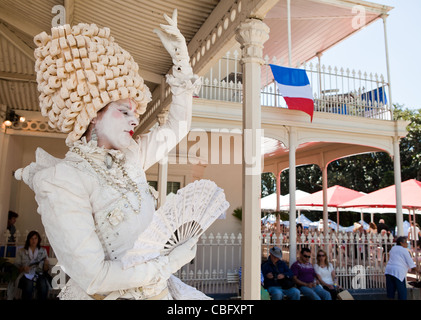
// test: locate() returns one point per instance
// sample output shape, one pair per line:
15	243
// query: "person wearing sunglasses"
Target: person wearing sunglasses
325	273
305	277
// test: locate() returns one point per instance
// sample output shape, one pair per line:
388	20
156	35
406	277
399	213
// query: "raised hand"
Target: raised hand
173	41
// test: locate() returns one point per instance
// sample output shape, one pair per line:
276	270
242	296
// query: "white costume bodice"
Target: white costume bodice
117	225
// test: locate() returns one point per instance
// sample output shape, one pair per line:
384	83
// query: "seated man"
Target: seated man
278	277
305	277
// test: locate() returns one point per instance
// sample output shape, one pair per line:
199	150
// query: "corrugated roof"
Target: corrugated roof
316	26
19	95
132	23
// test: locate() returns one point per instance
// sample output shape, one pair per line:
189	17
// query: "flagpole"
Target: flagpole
292	188
289	32
384	16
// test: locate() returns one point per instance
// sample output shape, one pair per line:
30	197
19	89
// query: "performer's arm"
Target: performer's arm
157	143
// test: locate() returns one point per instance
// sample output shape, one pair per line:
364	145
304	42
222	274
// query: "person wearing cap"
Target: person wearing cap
96	201
278	277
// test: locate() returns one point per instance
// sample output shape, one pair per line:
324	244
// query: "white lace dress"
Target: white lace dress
90	218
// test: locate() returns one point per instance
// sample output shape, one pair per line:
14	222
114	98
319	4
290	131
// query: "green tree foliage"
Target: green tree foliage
410	146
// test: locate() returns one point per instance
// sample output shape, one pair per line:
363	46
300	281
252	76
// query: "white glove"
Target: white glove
182	254
175	43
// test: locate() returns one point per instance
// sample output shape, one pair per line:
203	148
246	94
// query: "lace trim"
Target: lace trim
179	85
183	216
72	291
181	291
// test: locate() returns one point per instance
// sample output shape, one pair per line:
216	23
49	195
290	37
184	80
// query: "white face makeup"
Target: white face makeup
115	127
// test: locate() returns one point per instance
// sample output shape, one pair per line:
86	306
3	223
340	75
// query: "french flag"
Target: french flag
294	86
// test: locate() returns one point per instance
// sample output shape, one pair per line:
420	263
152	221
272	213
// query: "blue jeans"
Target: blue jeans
277	293
28	287
393	284
316	293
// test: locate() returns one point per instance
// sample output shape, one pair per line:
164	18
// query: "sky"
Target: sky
365	51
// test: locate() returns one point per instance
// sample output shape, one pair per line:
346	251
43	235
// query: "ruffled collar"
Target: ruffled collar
92	150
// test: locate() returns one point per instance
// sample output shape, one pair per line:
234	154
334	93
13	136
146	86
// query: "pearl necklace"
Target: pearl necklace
130	185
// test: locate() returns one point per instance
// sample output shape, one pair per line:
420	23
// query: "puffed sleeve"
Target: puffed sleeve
63	196
156	144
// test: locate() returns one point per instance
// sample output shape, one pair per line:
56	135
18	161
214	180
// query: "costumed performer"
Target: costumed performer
96	201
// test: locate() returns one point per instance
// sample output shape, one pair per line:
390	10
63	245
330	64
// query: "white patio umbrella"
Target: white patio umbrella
268	203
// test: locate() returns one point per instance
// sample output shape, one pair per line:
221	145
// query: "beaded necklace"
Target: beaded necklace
130	185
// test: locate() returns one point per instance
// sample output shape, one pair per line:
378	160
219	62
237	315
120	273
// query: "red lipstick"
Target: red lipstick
131	132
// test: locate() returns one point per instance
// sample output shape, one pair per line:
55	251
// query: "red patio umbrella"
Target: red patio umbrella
336	196
386	197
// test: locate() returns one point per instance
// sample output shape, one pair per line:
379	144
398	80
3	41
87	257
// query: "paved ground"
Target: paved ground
360	294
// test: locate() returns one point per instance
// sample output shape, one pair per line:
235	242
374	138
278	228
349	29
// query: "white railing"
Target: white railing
224	80
335	90
359	261
215	268
8	249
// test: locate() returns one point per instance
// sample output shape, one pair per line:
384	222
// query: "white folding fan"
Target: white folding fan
183	216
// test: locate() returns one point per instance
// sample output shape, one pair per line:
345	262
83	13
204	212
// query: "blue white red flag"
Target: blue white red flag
294	86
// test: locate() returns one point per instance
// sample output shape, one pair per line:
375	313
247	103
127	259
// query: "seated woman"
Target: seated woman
33	264
325	273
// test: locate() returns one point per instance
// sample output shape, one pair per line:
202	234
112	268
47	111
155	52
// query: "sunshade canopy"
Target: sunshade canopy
386	197
336	196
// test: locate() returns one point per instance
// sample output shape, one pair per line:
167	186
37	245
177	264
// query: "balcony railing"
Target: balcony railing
335	90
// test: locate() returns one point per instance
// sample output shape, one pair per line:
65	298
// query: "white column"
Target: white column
396	153
162	180
278	190
278	195
325	201
398	181
292	187
389	81
251	34
5	176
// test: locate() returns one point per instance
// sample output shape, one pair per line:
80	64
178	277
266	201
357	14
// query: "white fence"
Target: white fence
8	249
215	268
359	260
335	90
